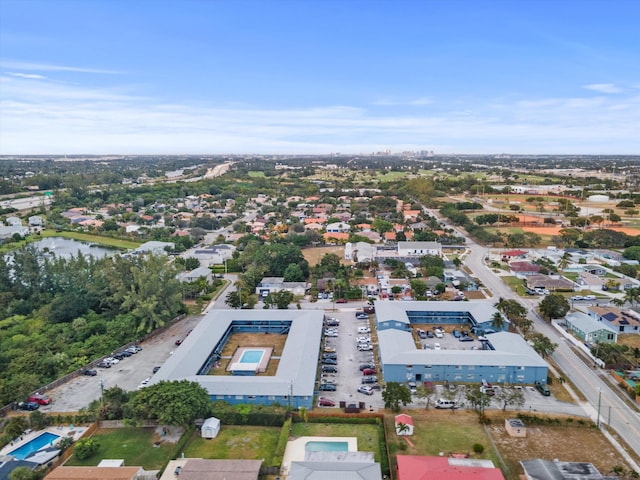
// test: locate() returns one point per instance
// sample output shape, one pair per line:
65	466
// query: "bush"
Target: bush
86	447
282	444
478	448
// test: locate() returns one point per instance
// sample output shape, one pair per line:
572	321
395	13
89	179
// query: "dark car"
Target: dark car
120	355
333	356
430	334
370	379
456	333
326	402
330	361
367	365
369	309
28	406
361	316
327	387
90	372
465	339
155	369
543	389
329	369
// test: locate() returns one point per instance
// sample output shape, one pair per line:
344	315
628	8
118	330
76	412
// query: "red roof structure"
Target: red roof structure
414	467
514	253
404	418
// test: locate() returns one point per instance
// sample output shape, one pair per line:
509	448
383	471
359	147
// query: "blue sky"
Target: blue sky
349	76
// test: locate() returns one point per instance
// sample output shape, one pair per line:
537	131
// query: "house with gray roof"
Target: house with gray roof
502	357
590	330
274	284
294	380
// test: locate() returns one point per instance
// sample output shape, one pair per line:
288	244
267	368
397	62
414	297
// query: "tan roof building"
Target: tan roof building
95	473
199	469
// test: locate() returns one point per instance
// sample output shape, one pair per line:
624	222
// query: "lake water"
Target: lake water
65	248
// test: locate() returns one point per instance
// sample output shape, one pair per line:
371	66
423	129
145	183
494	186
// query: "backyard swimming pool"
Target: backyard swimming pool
43	440
316	446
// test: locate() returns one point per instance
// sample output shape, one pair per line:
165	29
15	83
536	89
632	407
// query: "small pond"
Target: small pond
66	247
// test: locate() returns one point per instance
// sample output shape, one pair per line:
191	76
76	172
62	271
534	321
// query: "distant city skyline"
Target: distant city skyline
319	77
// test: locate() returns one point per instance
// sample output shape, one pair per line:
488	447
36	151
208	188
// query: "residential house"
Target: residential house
196	274
155	248
201	469
590	281
414	467
619	320
212	255
274	284
590	330
96	473
14	222
419	249
370	234
595	270
335	237
36	221
523	269
338	227
9	231
513	255
550	282
459	277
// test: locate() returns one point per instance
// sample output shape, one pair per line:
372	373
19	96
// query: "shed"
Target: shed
404	424
515	427
210	428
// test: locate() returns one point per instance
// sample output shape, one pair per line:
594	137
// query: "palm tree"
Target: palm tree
564	261
497	321
632	295
402	428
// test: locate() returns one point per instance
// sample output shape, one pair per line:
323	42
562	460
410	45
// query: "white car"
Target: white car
436	346
363	339
589	297
439	334
365	347
144	383
111	360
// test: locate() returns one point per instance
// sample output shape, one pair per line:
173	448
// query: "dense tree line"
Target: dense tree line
58	314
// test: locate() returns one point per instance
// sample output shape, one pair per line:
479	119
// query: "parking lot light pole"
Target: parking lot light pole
599	398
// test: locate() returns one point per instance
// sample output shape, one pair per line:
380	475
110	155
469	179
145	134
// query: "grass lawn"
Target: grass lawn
134	445
367	434
515	284
437	431
255	174
97	239
234	441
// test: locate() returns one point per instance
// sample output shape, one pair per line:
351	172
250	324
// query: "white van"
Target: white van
364	330
444	403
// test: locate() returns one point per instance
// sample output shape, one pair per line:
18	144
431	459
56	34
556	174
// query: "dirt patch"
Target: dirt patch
314	255
236	340
474	295
630	339
164	434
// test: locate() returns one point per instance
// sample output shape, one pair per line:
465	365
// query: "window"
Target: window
271	397
471	367
239	397
471	376
502	367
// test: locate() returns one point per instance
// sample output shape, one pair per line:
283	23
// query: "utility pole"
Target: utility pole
599	398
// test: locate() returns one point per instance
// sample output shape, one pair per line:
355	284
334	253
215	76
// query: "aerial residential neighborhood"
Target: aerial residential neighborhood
245	306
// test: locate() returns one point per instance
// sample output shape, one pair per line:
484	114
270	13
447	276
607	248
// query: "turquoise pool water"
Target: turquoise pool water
316	446
43	440
251	356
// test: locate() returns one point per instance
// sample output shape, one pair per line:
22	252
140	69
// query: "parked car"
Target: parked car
456	333
326	402
328	349
362	316
413	388
329	369
589	297
103	364
120	355
144	383
341	300
155	370
327	387
365	347
332	322
369	309
134	348
439	334
40	399
422	334
543	389
365	389
370	379
28	406
330	361
363	340
366	365
369	371
430	334
329	380
333	356
465	338
111	360
437	346
180	340
90	372
577	298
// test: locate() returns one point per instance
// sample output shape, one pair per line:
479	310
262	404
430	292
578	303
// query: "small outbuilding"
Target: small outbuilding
515	427
404	424
210	428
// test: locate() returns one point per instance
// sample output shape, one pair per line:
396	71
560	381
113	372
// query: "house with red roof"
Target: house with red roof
514	254
524	268
414	467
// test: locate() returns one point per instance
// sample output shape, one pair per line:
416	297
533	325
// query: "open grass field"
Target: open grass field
251	340
255	174
630	339
235	442
367	434
137	446
314	254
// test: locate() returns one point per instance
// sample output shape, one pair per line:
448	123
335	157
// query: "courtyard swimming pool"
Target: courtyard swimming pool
316	446
251	356
43	440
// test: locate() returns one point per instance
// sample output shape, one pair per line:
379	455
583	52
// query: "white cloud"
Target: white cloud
42	116
33	76
603	88
45	67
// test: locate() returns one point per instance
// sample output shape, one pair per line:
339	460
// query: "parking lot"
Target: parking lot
127	374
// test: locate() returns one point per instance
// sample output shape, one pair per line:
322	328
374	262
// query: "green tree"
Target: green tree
280	299
24	473
564	261
497	321
381	226
554	306
542	345
475	398
426	393
294	273
394	394
510	397
171	403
